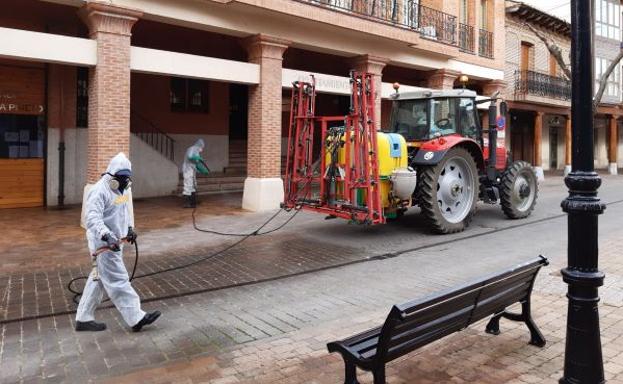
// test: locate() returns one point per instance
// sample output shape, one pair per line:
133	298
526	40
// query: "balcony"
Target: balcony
430	23
485	43
530	83
466	38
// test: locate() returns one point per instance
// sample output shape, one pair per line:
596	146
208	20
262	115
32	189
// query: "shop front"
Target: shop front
22	136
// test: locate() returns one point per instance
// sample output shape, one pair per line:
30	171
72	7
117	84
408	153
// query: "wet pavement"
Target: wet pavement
379	266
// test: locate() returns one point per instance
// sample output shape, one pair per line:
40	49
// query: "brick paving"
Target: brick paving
246	333
470	356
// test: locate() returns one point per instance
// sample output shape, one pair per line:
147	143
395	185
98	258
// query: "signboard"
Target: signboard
22	90
336	85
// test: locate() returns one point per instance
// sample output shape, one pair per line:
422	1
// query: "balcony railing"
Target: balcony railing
542	85
466	38
430	23
485	43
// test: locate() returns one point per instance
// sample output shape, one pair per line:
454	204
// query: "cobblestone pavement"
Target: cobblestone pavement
36	271
277	330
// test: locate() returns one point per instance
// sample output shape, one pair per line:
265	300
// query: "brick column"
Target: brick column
373	65
109	83
568	146
442	79
493	86
263	188
538	145
613	145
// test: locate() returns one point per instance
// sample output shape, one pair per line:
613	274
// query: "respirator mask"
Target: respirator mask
120	181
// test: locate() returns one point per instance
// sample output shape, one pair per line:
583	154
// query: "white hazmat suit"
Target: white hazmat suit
189	169
106	213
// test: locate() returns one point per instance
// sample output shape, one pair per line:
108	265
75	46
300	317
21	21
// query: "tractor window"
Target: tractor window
467	120
443	116
409	118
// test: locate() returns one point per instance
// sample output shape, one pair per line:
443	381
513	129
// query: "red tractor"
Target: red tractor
432	155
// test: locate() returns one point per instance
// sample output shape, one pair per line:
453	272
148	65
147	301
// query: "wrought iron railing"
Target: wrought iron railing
466	38
543	85
429	22
152	135
485	43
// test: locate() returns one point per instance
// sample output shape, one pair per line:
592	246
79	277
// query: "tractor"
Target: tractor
433	155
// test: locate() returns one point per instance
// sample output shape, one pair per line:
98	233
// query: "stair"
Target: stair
237	158
232	178
216	183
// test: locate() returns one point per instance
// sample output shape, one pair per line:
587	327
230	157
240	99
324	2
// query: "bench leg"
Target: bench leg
536	337
379	375
493	326
350	376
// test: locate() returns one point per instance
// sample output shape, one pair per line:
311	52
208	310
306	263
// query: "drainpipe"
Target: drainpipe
61	144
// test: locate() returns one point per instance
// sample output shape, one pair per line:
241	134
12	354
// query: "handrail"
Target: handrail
485	43
542	84
466	38
155	137
431	23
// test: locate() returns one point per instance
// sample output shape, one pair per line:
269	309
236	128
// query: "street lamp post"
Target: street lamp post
583	357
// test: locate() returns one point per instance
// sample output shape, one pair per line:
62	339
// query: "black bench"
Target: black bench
414	324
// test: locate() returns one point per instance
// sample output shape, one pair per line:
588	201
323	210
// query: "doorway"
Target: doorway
553	147
238	111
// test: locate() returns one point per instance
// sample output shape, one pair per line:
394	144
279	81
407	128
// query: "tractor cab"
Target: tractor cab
426	115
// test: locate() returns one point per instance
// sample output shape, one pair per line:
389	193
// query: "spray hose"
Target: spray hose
133	276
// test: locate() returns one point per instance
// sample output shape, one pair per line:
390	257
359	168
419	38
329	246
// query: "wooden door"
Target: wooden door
22	136
527	61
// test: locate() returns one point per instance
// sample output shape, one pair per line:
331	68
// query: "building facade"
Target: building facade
83	80
540	96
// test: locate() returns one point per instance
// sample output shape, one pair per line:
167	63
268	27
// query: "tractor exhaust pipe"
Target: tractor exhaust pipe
493	141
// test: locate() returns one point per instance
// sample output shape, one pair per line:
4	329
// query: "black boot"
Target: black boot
195	199
146	320
90	326
188	201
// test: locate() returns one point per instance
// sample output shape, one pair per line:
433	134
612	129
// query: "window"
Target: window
463	17
608	19
21	136
189	95
613	86
484	17
82	98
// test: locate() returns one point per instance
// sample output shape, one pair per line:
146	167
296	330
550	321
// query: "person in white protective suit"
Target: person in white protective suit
193	163
107	221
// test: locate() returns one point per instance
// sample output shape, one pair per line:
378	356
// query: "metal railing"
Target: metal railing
543	85
152	135
466	38
429	22
485	43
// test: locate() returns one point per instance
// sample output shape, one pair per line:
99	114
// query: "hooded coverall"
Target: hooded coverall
189	167
106	213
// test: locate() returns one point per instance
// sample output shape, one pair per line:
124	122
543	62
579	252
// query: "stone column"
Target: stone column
109	83
373	65
263	187
568	146
538	141
613	145
442	79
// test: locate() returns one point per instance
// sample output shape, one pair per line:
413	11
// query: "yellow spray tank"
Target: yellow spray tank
397	180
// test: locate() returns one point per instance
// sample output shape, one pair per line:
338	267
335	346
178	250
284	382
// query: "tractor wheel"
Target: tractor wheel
518	190
448	191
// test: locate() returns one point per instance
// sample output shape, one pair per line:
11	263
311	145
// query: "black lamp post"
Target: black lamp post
583	358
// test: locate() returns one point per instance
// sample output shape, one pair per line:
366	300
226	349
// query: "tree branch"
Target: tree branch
553	49
603	81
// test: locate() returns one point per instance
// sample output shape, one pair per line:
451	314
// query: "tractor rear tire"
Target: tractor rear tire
519	190
447	192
